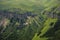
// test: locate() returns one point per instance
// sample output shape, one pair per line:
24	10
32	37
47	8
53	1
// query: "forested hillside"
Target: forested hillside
29	19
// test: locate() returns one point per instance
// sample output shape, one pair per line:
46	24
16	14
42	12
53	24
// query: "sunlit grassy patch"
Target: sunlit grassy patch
38	38
45	29
47	25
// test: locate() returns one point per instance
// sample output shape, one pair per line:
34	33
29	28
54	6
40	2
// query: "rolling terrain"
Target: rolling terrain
29	19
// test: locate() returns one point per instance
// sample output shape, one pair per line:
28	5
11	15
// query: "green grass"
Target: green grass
27	5
36	6
45	29
47	25
38	38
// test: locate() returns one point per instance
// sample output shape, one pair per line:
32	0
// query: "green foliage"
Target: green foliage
38	26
